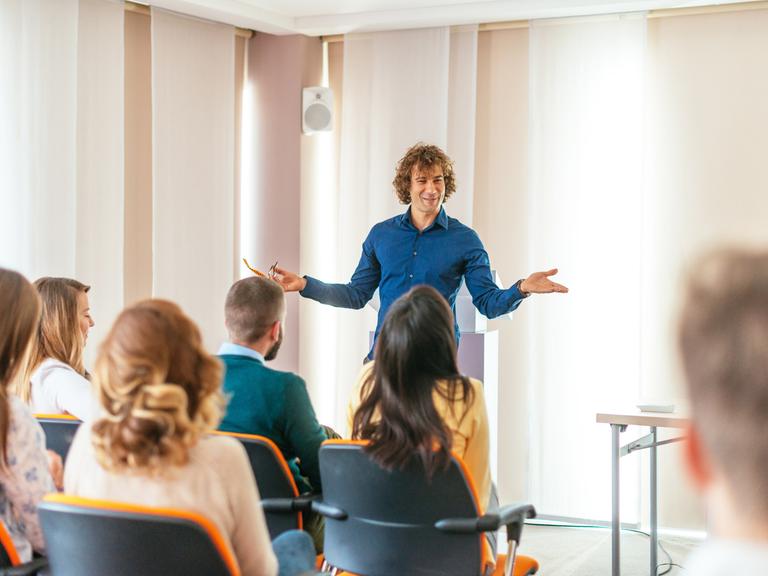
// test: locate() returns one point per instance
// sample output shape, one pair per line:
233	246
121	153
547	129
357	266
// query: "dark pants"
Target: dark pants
314	524
493	505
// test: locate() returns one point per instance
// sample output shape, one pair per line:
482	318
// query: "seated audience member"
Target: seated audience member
724	348
264	401
413	400
27	472
55	380
161	397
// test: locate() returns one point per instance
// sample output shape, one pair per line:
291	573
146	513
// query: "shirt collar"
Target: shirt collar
236	350
441	220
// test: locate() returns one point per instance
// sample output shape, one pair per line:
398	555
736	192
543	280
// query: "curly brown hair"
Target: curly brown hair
425	156
160	389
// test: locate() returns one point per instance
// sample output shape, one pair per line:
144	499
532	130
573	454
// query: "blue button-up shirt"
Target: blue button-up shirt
397	256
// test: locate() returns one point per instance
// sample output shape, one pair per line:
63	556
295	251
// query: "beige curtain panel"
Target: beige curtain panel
193	159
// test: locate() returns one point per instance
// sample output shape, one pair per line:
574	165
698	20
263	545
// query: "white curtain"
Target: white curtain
462	98
586	182
706	185
61	152
38	112
399	88
193	166
100	175
707	174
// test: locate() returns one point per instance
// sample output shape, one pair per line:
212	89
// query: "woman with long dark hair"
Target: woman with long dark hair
413	399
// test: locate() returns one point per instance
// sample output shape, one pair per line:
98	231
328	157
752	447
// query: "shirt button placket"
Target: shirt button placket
413	258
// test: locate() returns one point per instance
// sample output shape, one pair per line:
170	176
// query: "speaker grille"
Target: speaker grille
317	116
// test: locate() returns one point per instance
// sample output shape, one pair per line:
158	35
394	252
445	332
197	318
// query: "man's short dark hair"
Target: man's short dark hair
724	344
253	305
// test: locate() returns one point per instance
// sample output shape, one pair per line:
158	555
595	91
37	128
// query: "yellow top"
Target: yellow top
468	425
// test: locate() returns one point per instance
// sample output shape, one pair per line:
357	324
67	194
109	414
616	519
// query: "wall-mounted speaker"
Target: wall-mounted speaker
316	110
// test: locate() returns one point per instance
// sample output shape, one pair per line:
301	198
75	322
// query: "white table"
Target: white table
619	422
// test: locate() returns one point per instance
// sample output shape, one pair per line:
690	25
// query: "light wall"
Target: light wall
275	155
500	216
707	181
138	157
138	216
707	130
319	214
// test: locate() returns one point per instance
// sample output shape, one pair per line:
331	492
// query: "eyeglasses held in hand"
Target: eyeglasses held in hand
271	273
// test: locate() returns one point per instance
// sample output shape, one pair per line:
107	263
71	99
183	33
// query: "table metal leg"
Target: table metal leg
654	517
615	503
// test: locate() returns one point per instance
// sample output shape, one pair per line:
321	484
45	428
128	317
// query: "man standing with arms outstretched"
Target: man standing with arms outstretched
422	246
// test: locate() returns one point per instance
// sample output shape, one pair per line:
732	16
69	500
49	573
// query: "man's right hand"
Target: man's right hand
289	281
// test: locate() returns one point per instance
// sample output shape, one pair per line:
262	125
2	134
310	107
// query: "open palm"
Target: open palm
539	283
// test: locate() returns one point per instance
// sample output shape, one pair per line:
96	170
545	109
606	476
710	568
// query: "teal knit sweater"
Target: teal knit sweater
274	404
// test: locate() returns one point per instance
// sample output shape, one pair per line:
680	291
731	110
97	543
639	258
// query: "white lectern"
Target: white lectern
479	358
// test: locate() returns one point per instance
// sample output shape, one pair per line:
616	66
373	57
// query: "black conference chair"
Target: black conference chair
385	523
59	431
95	537
11	565
280	497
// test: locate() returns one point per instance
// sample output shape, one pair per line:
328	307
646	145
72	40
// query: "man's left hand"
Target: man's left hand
539	283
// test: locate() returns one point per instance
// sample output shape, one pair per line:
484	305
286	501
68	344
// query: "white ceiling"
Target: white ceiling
325	17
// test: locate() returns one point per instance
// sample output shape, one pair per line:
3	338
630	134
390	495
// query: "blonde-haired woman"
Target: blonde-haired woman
55	379
26	471
160	393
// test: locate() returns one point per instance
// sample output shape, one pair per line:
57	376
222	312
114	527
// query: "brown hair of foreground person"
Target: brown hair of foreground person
723	338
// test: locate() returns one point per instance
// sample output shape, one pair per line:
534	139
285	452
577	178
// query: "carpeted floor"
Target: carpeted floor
563	551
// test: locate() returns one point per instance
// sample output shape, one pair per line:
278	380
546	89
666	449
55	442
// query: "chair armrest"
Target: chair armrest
515	513
328	511
458	525
26	569
289	505
512	516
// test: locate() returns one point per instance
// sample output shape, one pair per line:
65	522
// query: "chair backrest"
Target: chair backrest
94	537
273	478
391	515
59	431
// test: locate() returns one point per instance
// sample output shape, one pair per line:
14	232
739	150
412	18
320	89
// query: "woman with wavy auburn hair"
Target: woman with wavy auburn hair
160	396
55	380
26	472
